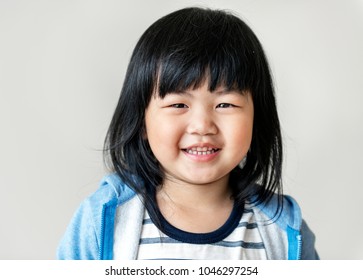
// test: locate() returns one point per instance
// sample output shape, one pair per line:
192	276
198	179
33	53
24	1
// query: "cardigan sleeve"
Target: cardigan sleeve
308	251
80	239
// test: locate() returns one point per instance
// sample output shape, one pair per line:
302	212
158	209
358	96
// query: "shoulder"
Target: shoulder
83	234
281	224
282	210
111	193
112	188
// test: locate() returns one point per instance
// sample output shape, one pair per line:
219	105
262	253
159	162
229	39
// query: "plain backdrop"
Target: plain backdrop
62	65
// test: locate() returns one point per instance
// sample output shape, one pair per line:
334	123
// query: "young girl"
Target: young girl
196	154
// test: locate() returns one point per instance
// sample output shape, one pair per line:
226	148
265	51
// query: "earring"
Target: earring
243	162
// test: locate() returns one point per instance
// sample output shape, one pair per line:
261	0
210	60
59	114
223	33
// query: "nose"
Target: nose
202	122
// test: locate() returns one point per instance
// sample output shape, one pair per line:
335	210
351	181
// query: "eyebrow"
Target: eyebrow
226	91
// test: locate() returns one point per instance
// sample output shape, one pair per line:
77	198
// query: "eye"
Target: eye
225	105
178	106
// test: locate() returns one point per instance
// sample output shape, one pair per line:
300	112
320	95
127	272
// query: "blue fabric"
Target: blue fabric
90	232
294	241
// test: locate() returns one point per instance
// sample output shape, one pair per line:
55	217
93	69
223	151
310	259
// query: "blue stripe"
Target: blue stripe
245	245
229	244
147	222
155	240
247	225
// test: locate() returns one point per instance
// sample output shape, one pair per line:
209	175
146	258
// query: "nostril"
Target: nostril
202	128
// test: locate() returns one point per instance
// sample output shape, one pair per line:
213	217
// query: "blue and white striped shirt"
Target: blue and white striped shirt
237	239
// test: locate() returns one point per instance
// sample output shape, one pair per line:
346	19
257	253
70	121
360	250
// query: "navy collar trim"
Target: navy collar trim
203	238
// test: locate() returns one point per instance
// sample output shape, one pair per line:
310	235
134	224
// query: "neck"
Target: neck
195	208
203	196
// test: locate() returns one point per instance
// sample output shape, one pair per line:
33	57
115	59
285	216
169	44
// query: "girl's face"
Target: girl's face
199	136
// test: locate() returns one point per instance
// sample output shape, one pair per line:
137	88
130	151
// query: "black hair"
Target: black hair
179	51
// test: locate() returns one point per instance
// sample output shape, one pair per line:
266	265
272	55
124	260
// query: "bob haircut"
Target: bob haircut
180	51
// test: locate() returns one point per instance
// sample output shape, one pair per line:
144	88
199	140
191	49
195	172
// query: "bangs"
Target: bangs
202	49
174	77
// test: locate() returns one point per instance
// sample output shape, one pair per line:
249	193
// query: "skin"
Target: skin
198	137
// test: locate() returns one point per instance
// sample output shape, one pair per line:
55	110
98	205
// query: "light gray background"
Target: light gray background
61	69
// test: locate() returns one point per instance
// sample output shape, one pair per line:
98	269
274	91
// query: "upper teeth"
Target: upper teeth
200	150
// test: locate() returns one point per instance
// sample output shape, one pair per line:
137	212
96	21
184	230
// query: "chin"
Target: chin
202	181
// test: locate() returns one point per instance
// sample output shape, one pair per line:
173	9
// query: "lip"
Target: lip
202	152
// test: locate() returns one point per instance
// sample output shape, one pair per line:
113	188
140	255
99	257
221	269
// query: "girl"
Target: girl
195	152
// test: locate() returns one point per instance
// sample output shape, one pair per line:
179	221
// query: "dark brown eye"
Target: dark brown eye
179	106
225	105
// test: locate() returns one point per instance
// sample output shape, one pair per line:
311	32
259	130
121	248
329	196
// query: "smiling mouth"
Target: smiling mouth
201	151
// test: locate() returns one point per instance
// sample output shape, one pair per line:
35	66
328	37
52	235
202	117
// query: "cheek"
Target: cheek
163	136
247	131
240	132
242	141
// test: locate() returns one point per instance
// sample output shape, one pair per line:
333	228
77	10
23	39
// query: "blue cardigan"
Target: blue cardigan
116	209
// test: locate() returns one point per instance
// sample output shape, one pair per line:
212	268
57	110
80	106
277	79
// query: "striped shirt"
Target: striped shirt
237	239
